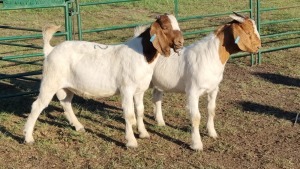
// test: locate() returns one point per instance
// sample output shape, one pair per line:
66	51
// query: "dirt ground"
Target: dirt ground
256	110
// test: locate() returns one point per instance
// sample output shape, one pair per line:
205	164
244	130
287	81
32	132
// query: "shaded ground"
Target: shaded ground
256	109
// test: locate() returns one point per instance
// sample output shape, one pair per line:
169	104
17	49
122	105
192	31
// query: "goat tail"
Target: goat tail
48	32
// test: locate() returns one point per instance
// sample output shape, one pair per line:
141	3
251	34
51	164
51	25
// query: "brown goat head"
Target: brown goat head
245	34
165	34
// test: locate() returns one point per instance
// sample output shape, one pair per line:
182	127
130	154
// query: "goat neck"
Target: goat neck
149	51
227	45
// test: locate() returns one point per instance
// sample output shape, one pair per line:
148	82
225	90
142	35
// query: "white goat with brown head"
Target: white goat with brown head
200	68
97	70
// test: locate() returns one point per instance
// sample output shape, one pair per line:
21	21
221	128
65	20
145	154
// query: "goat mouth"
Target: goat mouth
177	48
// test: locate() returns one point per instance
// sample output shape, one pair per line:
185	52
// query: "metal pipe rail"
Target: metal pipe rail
260	10
30	4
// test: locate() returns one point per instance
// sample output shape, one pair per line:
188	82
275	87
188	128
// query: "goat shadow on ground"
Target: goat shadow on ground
106	138
90	105
268	110
170	139
118	117
20	106
15	137
279	79
185	128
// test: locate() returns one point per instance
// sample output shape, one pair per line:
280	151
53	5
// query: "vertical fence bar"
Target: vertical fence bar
251	9
251	16
67	30
69	21
78	20
176	8
258	26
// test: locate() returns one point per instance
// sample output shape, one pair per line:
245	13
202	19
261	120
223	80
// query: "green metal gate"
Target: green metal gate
264	22
12	6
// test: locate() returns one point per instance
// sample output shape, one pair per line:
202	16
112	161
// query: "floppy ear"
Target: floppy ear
241	38
159	39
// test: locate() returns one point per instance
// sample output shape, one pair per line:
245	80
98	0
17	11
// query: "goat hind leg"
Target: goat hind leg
157	99
65	96
37	107
212	96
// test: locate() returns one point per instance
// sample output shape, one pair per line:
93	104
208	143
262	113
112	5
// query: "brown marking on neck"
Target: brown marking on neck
227	45
150	53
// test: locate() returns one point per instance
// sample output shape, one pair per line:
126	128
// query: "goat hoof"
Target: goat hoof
197	147
161	124
28	142
82	130
144	135
132	144
213	135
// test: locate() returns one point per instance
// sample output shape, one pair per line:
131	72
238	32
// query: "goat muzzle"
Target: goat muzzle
177	48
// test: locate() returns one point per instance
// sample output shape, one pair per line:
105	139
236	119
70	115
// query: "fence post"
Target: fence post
176	8
251	16
78	20
67	22
258	26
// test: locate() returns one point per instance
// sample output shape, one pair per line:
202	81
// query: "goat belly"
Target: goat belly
99	93
168	86
93	84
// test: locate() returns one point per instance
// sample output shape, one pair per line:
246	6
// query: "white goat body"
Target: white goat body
96	70
103	66
200	69
174	74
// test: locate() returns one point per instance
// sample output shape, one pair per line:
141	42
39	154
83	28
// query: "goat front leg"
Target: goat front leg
157	99
193	99
130	120
211	107
139	106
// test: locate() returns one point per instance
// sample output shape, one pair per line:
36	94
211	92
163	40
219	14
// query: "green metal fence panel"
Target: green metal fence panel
261	24
20	4
249	10
71	10
116	27
20	59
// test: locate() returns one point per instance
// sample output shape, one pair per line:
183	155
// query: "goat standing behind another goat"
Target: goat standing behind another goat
200	69
96	70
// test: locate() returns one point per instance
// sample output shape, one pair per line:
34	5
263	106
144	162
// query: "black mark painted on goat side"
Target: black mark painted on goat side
100	46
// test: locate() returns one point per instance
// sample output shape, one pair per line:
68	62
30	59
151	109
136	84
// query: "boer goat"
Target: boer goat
96	70
200	69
